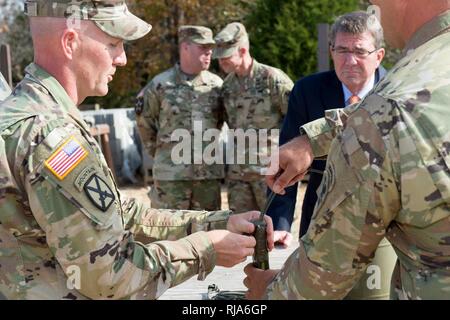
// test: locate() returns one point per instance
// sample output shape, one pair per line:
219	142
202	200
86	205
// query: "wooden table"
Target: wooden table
224	278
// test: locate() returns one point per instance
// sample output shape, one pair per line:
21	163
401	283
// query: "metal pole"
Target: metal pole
323	53
5	63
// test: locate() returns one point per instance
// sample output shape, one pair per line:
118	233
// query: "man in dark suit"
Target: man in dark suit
356	50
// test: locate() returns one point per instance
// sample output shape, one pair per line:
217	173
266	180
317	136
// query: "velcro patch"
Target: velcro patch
66	158
99	192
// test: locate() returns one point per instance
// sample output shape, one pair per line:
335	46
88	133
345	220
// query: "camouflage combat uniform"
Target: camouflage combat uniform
175	101
387	175
4	88
65	231
255	102
51	222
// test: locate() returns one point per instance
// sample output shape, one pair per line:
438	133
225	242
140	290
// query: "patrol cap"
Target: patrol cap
195	34
229	39
111	16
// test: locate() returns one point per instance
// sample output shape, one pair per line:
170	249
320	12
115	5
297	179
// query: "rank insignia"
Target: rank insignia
66	158
99	192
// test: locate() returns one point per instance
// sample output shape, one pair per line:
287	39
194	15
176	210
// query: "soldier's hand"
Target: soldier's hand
257	281
295	158
231	248
283	238
240	223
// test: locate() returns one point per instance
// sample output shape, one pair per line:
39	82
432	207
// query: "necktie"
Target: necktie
354	99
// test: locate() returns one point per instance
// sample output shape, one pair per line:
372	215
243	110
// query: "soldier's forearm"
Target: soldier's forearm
150	225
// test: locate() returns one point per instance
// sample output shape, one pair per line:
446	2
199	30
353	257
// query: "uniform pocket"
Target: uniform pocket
340	182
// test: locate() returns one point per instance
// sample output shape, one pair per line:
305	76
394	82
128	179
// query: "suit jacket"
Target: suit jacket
309	99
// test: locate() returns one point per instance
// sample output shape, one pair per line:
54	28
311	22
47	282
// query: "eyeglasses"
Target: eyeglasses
358	52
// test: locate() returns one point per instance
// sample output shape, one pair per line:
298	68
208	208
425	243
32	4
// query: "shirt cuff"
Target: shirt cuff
206	253
320	136
215	220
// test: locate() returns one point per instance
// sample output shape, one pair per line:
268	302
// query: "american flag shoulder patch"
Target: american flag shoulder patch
66	158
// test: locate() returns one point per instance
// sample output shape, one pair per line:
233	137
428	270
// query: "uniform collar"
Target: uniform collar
36	74
246	80
430	30
253	70
59	94
183	78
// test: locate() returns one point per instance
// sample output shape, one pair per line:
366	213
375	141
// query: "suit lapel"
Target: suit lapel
331	92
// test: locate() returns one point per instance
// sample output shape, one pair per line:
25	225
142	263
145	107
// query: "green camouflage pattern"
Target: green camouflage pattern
173	101
49	226
186	195
387	175
244	196
195	34
258	101
112	16
5	90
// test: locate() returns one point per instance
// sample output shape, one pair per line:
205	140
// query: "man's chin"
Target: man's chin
101	92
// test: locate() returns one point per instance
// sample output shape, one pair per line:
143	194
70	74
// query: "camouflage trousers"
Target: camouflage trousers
186	195
246	196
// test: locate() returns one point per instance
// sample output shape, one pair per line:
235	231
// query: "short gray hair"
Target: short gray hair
356	23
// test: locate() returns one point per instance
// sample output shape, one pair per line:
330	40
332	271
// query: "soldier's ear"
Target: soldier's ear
70	43
242	51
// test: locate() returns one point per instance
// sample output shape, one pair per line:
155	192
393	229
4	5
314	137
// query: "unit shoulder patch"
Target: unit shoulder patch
98	191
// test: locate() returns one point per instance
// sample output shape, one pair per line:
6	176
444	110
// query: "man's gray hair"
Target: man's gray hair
356	23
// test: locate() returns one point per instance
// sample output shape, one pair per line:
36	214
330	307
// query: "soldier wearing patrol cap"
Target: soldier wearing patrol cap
255	97
65	230
387	174
5	90
183	98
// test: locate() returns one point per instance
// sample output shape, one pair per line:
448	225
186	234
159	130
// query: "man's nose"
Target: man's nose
121	59
350	58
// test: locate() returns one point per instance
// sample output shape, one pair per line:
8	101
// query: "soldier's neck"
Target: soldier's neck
246	67
65	78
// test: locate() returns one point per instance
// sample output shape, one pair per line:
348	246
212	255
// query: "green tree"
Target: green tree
14	30
283	33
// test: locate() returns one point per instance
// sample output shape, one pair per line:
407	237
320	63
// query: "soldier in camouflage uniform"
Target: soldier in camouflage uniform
387	174
179	99
65	230
255	97
4	88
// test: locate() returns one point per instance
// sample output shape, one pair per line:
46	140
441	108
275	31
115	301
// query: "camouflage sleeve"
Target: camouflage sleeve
281	89
147	117
357	200
321	132
149	225
83	220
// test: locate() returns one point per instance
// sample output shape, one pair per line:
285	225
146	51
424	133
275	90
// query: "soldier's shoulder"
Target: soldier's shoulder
273	72
213	79
420	72
18	108
163	79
